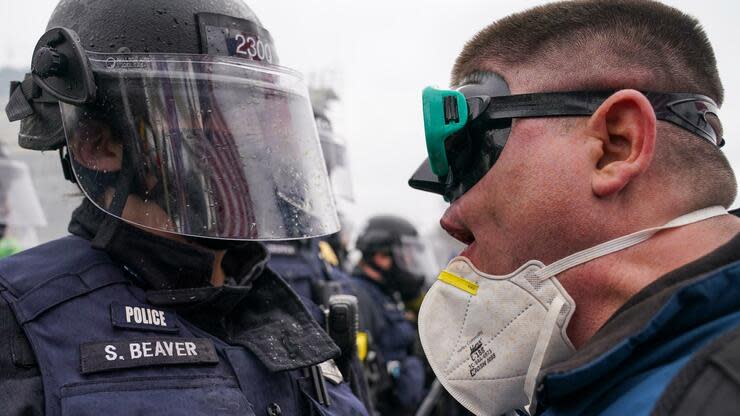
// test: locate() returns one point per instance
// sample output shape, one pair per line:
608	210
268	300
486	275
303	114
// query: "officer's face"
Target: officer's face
95	148
523	208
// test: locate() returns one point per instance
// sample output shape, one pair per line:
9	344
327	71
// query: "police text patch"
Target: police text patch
142	317
103	356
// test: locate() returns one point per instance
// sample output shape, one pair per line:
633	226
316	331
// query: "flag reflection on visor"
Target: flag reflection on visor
202	146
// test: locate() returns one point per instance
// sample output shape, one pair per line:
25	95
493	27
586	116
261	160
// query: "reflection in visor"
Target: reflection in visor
337	165
210	147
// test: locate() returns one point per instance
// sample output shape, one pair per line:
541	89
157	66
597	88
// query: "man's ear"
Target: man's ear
97	150
624	124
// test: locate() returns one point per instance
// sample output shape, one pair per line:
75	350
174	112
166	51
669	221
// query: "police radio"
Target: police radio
343	325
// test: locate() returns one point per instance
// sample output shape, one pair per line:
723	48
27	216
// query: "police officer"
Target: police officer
311	266
389	273
187	139
334	148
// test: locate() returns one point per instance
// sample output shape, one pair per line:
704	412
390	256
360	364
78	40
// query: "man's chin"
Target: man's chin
470	253
488	261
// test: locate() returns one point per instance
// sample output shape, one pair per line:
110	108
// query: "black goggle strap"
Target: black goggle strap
688	111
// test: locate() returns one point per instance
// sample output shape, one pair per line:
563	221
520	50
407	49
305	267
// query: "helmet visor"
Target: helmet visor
201	146
337	164
410	255
19	204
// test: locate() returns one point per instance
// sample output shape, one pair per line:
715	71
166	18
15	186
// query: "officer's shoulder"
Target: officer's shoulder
16	354
709	383
30	268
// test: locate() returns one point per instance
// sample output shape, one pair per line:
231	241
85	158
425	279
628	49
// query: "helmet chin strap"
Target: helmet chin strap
215	244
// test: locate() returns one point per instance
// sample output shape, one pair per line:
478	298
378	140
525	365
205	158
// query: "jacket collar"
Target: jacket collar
681	300
255	308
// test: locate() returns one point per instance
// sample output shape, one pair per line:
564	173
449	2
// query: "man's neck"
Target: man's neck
600	287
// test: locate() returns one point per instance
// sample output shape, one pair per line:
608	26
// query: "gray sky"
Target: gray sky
380	55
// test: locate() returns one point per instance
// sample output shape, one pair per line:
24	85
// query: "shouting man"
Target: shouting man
580	152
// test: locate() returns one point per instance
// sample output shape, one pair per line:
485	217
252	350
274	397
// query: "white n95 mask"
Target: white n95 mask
487	337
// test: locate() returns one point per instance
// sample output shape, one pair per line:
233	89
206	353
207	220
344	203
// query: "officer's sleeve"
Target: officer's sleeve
21	391
343	402
709	384
410	384
368	319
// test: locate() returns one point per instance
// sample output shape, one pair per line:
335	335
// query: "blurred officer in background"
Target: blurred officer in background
389	273
334	148
20	209
187	140
311	266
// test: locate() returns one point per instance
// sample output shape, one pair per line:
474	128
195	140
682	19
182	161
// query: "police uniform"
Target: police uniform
113	320
393	338
315	281
300	264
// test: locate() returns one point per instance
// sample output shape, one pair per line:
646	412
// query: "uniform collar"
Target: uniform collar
255	308
677	302
160	263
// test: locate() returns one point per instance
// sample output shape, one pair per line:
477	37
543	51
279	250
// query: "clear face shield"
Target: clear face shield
20	209
334	148
412	256
203	146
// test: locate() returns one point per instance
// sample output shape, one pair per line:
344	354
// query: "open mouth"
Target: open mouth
463	236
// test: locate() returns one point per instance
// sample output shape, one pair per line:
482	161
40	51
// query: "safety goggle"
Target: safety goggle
466	134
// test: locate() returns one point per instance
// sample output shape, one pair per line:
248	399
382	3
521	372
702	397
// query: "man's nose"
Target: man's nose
455	227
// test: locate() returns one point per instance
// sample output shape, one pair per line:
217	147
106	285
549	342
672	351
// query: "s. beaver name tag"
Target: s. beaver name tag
142	317
103	356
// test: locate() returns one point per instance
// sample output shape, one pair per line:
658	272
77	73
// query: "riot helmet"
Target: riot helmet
397	238
177	117
334	148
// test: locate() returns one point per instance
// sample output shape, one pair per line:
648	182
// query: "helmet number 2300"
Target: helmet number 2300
253	48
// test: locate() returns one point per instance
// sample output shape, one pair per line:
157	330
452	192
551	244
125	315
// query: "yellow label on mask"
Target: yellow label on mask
460	283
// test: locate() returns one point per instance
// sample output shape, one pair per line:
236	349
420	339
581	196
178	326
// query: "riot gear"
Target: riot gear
196	132
399	239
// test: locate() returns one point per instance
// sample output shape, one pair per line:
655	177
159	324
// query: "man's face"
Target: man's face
526	206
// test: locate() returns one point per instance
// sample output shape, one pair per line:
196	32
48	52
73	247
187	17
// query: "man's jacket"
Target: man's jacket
673	349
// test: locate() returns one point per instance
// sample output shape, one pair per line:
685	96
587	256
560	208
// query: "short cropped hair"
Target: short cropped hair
614	44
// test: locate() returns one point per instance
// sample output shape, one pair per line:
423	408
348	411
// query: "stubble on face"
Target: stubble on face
527	206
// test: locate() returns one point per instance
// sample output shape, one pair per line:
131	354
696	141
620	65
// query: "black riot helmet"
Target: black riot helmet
334	148
398	238
175	115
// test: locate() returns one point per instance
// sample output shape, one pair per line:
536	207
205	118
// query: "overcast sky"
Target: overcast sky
379	55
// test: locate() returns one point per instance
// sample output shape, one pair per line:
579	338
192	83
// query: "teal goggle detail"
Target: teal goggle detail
466	135
445	113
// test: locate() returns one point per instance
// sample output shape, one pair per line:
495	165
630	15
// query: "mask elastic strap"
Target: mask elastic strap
549	326
627	241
